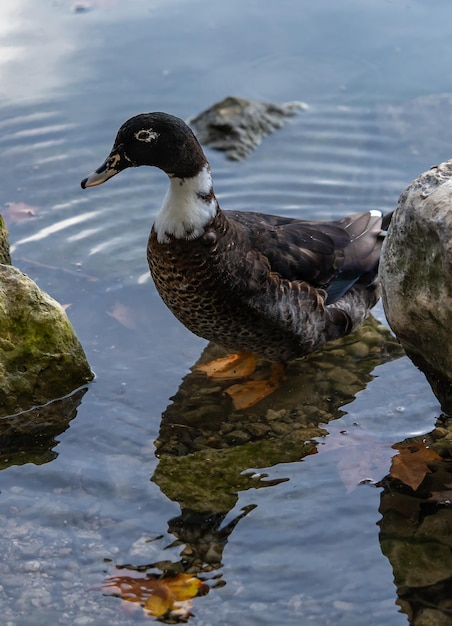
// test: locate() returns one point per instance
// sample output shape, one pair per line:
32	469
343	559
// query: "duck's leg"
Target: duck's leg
246	395
230	367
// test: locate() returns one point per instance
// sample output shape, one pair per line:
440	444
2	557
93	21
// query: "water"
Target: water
309	551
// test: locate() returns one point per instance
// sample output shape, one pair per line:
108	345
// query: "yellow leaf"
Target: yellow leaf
158	595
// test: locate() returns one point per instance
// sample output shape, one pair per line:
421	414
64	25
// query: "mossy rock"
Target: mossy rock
4	243
41	358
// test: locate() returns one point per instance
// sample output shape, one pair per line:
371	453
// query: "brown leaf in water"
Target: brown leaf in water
410	464
124	315
158	595
18	212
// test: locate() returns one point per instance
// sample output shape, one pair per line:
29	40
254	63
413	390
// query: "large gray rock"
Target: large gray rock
40	356
416	276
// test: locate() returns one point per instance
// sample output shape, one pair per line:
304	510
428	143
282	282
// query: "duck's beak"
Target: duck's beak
116	161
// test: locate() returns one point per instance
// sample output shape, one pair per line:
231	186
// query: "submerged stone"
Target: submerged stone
236	126
416	276
418	564
41	358
206	447
432	617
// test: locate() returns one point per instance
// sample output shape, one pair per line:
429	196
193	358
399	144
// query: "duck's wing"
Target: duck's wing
328	255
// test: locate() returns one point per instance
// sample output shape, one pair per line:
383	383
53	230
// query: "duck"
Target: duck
258	285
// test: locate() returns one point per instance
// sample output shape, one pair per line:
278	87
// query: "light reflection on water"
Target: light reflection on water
68	81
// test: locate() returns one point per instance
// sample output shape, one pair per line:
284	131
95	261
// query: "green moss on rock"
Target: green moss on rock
4	243
40	356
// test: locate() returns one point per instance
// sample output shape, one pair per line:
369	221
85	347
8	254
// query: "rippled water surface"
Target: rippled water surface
306	549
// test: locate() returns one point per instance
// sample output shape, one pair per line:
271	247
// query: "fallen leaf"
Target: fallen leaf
158	595
18	212
124	315
410	464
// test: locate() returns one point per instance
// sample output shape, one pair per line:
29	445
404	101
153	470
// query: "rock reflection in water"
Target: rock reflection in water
29	437
416	536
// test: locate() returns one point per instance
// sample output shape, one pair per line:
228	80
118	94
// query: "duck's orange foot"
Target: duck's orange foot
246	395
230	367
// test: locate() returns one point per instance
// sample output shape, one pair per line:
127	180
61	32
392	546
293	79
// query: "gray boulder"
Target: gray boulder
416	277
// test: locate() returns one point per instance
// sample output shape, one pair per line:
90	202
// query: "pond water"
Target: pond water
306	548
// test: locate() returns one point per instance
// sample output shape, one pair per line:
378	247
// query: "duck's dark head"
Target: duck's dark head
157	139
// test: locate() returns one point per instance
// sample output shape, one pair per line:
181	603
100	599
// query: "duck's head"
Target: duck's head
157	139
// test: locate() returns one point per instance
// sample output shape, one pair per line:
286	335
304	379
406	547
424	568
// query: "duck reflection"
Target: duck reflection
206	449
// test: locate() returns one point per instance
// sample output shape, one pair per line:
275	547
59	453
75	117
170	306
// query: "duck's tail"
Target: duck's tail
362	254
352	306
386	220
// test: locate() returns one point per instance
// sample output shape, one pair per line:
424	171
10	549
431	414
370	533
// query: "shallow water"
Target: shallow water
307	548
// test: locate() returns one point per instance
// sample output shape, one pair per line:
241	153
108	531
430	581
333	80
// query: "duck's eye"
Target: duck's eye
146	135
